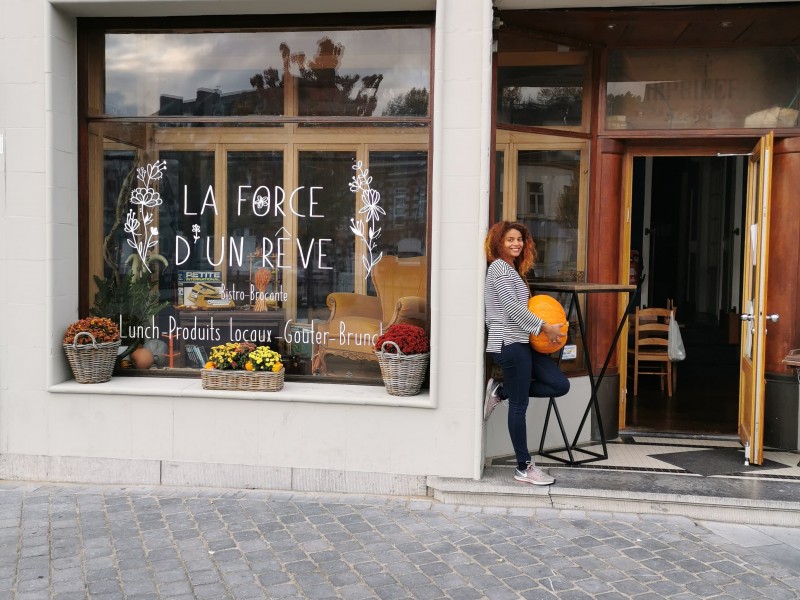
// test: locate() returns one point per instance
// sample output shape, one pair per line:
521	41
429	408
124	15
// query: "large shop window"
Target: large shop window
709	88
267	186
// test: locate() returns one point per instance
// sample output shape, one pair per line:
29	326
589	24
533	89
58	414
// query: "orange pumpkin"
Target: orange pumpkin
550	311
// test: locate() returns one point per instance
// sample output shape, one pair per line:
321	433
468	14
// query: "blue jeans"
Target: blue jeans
526	374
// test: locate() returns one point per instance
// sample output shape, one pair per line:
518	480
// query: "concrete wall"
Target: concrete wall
154	430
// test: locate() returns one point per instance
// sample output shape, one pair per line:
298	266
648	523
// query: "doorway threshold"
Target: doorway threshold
631	433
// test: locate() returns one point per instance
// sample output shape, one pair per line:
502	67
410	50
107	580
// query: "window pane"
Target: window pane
256	204
188	212
338	73
540	95
325	245
548	203
118	169
703	88
402	180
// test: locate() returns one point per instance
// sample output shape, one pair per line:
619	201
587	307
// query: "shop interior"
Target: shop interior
686	241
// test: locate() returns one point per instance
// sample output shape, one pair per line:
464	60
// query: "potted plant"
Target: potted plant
403	352
243	366
91	346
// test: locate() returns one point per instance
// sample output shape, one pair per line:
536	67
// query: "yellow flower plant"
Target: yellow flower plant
244	355
229	356
265	358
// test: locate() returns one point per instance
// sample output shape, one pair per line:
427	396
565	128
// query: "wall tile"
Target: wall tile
25	149
23	18
466	302
22	60
23	105
468	109
25	238
23	424
65	172
27	281
461	152
27	329
25	194
63	240
463	55
459	246
213	431
461	198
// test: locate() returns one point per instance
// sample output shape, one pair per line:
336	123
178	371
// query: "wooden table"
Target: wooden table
574	289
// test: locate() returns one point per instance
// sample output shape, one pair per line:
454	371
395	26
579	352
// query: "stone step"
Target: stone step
750	500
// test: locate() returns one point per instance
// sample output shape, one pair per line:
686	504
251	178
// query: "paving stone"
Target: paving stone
153	543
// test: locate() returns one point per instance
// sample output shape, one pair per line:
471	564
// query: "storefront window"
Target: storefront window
337	73
703	88
541	89
252	233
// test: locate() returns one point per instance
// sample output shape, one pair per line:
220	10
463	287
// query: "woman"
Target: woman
511	253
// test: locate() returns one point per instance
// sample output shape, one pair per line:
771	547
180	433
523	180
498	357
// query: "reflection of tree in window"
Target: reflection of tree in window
267	97
323	90
414	103
549	105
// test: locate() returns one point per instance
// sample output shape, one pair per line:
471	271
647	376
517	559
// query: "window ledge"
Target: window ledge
292	392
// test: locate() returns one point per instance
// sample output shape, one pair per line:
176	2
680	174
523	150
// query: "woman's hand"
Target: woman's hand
553	331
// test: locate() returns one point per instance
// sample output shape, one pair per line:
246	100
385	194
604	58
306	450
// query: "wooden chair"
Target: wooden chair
649	352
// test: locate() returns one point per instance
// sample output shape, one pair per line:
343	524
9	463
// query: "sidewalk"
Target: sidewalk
698	479
143	543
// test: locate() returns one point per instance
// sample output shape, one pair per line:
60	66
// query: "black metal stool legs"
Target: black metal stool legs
551	405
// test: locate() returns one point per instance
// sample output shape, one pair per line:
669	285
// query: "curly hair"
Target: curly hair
494	245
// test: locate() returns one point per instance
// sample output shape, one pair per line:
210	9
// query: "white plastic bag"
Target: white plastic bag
675	349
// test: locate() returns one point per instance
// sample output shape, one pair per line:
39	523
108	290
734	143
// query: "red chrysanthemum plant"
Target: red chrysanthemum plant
410	339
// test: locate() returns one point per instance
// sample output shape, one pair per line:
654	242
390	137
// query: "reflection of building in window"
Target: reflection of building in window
535	200
547	203
400	205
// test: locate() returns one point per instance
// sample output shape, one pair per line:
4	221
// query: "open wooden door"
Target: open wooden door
754	301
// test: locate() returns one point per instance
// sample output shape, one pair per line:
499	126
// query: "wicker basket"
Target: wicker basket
253	381
402	373
91	363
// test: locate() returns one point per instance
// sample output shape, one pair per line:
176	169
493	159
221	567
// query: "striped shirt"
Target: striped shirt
507	316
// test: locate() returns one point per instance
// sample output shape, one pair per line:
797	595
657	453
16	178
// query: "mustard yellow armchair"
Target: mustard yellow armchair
356	320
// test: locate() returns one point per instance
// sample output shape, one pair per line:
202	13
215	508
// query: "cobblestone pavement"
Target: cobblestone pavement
67	541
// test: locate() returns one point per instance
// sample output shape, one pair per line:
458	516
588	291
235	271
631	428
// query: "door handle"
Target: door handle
746	317
773	318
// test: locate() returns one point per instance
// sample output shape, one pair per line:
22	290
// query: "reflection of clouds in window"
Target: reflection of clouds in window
140	68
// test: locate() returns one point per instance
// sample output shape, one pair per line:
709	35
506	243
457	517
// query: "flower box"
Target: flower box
241	380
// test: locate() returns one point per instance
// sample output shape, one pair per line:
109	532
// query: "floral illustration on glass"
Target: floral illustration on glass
139	222
367	228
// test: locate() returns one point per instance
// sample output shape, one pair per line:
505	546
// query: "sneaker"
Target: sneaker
533	475
491	399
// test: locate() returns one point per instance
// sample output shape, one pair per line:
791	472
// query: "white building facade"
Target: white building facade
335	433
